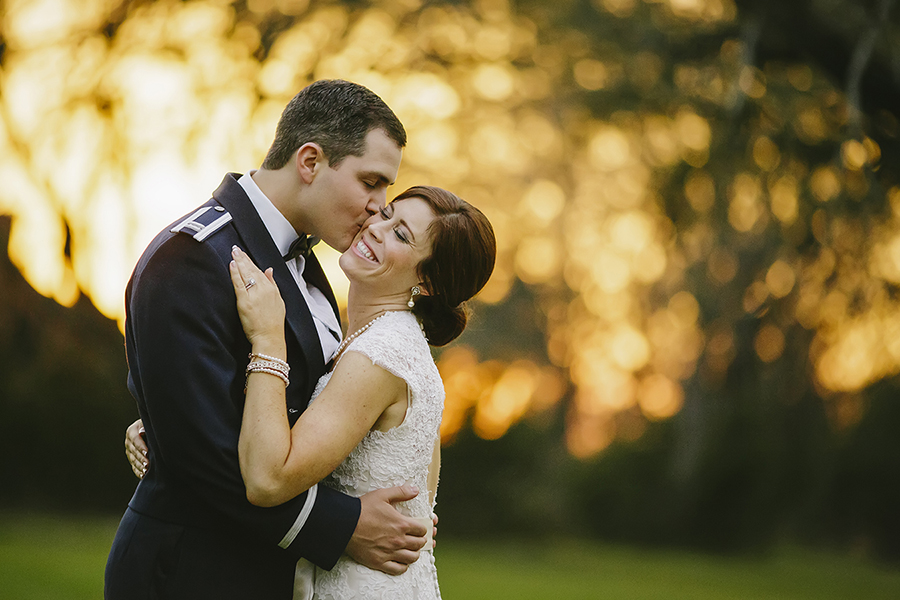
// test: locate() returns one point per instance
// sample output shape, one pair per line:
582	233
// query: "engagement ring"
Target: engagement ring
250	284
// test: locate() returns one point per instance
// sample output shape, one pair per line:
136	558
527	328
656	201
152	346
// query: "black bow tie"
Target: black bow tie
302	246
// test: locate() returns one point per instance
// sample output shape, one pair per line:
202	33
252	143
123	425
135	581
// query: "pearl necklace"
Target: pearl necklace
356	334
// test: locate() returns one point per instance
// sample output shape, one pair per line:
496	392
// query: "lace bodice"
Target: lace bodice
400	456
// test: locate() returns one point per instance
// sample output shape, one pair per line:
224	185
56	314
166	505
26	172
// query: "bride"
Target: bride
374	418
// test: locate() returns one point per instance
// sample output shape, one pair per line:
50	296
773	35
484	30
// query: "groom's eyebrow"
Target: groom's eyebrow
380	177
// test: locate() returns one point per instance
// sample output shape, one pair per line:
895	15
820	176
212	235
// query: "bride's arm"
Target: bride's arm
278	462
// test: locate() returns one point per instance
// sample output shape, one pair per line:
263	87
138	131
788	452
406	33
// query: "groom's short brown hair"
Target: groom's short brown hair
335	114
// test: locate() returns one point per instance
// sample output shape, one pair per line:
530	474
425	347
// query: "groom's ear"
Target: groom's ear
310	159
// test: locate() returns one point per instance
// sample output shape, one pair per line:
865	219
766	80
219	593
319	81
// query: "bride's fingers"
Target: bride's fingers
242	271
236	280
246	266
239	261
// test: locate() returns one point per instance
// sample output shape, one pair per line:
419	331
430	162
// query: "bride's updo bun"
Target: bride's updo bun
442	323
463	250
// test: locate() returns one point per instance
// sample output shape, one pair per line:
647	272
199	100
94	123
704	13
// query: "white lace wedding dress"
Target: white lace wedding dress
400	456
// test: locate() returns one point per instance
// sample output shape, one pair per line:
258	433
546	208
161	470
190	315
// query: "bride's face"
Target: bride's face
388	249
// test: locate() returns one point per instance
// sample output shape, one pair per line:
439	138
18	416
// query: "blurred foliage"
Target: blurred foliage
63	401
697	209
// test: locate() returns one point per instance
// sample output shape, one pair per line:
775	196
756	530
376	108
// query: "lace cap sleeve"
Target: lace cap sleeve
395	343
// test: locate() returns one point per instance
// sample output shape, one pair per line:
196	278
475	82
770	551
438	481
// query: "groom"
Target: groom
189	531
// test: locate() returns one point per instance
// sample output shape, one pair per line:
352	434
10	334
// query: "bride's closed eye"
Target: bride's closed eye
400	235
386	213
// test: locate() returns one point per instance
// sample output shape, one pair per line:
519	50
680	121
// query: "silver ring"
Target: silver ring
250	284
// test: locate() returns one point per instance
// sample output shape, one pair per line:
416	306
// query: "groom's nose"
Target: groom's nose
371	220
377	201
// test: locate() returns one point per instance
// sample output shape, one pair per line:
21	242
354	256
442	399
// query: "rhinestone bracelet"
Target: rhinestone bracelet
268	364
284	366
265	367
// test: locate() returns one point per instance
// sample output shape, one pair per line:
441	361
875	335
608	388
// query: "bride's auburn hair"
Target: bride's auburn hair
463	251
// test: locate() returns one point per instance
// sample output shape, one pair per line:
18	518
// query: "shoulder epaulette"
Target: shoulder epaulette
203	223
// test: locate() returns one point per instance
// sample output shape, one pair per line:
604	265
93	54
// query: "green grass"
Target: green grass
44	557
583	570
50	558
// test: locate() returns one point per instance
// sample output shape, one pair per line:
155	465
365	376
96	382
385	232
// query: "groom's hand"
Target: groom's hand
384	539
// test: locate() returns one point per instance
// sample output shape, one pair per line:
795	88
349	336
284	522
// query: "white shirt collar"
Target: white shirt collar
283	234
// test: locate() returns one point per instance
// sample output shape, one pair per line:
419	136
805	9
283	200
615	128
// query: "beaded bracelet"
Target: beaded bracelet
270	367
284	366
268	364
260	368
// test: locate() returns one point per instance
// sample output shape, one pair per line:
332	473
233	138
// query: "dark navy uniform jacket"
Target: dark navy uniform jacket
190	531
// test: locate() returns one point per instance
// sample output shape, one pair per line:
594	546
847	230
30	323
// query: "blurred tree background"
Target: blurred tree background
693	333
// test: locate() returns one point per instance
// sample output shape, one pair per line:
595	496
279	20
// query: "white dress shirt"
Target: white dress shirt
283	234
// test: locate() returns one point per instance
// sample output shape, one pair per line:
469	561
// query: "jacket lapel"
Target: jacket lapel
262	250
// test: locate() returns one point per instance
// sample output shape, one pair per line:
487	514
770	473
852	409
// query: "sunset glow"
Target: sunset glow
114	135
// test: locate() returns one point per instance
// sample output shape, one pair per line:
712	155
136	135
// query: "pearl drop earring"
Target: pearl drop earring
414	292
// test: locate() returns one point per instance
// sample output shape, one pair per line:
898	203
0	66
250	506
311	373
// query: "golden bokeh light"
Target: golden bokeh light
506	402
693	130
854	154
722	265
592	74
538	259
785	202
700	190
609	216
766	153
780	279
610	149
620	8
825	184
659	397
745	208
753	82
720	349
587	435
769	343
542	203
628	348
811	125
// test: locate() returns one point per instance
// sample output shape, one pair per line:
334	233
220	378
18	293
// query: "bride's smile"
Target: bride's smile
363	249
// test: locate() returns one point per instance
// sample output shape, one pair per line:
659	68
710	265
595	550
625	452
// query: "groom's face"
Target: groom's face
348	195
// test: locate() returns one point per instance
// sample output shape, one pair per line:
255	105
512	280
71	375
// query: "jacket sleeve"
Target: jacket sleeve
187	353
